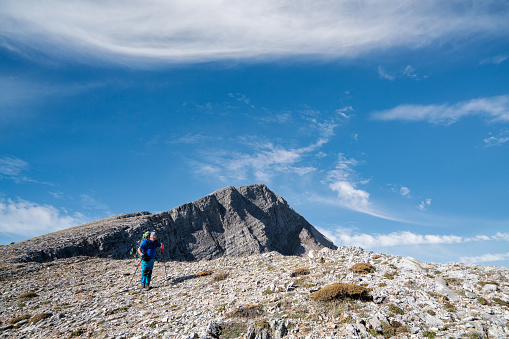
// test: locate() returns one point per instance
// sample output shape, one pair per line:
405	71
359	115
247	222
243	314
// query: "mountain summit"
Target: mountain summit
229	222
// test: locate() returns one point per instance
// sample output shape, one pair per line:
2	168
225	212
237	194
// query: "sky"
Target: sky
384	123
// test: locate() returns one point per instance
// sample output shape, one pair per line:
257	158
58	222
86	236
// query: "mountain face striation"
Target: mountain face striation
229	222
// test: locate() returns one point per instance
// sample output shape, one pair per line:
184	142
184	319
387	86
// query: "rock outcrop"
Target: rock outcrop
229	222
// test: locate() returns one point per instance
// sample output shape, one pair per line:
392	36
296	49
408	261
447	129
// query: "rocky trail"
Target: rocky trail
264	295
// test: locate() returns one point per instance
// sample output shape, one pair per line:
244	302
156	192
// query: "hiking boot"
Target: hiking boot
148	287
142	286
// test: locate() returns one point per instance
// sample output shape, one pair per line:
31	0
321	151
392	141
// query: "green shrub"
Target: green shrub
429	334
233	330
396	310
483	301
340	291
78	332
450	307
363	268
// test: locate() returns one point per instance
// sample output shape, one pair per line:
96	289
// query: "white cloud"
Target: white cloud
485	258
267	161
351	197
495	108
27	218
342	236
194	30
89	202
497	140
11	166
424	204
384	75
495	60
404	191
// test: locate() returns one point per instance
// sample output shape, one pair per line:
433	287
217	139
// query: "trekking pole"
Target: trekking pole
165	275
134	274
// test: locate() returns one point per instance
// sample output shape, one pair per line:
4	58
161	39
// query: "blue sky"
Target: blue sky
384	123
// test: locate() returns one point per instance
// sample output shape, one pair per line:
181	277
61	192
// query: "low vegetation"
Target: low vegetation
38	317
363	268
300	272
341	291
19	318
246	311
203	273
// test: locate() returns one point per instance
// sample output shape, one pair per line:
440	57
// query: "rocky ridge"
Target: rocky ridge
256	296
231	221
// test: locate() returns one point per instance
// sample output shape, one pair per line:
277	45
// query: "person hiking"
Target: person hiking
147	250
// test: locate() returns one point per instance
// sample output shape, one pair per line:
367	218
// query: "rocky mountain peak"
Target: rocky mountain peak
231	221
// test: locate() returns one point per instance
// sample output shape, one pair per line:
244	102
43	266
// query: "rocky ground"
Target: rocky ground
260	296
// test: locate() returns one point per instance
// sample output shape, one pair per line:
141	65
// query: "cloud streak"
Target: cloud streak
27	218
346	237
195	30
485	258
495	108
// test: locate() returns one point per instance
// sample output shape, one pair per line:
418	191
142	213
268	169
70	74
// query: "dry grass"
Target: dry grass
300	272
18	319
38	317
220	276
376	256
246	311
28	295
363	267
341	291
203	273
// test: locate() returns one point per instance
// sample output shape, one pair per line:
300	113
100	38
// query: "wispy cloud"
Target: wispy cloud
408	72
24	218
497	140
343	236
485	258
495	108
495	60
221	29
383	74
90	203
11	166
267	161
423	206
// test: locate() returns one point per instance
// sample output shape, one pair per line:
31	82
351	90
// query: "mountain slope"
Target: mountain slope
231	221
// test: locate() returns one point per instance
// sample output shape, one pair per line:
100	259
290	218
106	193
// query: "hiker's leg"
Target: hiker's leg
150	267
144	272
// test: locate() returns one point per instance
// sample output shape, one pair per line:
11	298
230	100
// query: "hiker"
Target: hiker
147	250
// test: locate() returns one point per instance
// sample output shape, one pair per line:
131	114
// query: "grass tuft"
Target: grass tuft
341	291
28	295
246	311
363	268
300	272
18	319
220	276
203	273
38	317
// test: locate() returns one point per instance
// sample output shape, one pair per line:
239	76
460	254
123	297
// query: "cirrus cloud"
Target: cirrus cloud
495	108
195	30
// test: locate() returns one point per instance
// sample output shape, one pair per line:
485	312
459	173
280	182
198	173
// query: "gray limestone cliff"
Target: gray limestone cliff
229	222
